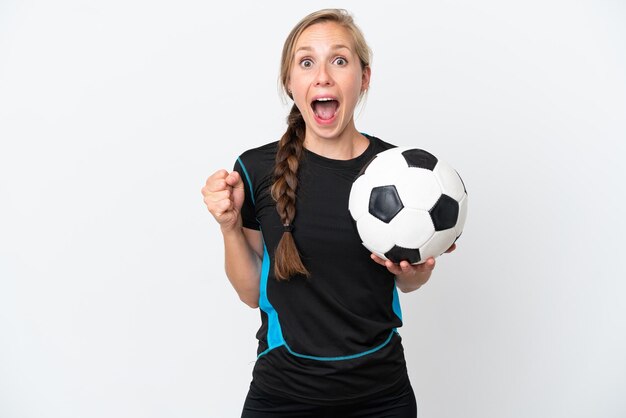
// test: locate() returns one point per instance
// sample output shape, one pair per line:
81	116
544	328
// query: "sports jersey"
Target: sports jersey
330	337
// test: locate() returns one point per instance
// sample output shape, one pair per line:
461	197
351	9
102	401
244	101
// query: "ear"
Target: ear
365	78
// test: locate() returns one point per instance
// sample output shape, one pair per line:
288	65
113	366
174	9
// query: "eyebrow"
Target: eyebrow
333	47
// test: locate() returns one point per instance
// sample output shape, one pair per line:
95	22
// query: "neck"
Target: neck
346	146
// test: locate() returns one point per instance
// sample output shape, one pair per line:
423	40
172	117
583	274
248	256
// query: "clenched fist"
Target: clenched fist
223	195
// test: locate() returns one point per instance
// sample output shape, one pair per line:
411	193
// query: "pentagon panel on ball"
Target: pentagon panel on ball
397	254
408	205
385	203
420	159
445	213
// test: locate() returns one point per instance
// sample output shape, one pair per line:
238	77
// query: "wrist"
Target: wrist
229	231
410	281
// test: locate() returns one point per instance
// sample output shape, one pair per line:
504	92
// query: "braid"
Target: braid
287	260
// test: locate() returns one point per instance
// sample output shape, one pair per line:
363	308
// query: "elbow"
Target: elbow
253	305
408	286
251	302
412	283
408	289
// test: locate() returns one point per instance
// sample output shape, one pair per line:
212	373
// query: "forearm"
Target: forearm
412	280
243	266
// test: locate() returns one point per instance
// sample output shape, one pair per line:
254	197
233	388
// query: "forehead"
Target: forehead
325	34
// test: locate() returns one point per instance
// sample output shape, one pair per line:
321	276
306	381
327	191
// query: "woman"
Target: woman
328	344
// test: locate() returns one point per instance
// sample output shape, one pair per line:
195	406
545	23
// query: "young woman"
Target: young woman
328	344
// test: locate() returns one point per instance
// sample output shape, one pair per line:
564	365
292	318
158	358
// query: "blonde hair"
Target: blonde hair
287	261
339	16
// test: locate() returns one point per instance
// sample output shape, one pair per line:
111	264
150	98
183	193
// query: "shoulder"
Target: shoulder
267	150
378	144
264	152
259	159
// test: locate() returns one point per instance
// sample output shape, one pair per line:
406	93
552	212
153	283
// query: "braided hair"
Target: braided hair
287	261
290	148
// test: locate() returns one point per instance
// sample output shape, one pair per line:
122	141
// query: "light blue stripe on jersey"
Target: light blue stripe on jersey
396	303
353	356
274	331
245	172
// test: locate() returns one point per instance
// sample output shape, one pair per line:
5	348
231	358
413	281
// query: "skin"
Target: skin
410	277
324	64
223	195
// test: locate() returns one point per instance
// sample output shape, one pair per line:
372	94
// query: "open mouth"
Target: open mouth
325	108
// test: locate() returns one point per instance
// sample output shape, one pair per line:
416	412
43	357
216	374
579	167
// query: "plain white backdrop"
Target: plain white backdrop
113	300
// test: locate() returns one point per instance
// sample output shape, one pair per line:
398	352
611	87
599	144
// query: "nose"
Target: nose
323	77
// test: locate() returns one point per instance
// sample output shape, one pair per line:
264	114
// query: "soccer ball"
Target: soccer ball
408	205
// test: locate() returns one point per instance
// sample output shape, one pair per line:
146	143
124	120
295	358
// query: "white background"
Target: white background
113	300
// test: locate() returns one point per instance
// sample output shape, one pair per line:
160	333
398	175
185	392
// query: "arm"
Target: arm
243	248
411	278
243	254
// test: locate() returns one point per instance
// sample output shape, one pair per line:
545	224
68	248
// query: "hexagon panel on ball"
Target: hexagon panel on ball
449	180
418	188
439	243
374	233
358	202
460	223
411	228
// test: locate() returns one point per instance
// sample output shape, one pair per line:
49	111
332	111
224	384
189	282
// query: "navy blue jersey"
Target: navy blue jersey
331	337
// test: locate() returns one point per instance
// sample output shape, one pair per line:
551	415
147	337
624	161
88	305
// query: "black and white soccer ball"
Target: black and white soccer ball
408	205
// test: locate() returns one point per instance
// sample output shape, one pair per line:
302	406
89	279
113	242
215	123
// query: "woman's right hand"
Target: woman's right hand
223	195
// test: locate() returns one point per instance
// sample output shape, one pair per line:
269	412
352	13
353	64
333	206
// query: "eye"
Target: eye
306	63
340	61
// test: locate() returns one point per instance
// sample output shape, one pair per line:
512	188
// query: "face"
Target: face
326	80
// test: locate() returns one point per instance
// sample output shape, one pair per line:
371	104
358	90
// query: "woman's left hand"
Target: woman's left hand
406	267
410	276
